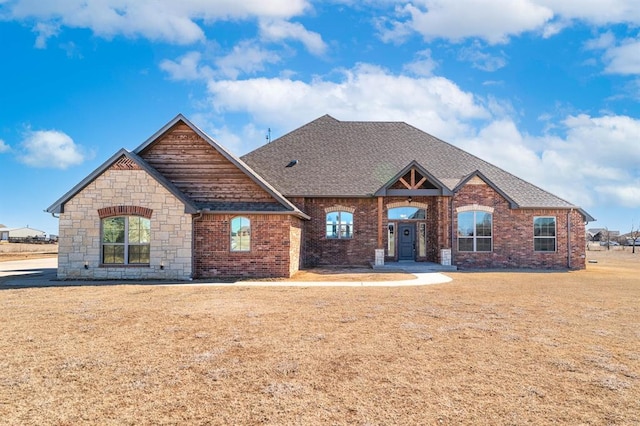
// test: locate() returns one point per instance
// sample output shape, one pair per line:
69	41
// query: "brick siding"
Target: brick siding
360	250
274	247
513	235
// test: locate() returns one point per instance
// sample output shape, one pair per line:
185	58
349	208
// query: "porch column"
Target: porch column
379	252
380	230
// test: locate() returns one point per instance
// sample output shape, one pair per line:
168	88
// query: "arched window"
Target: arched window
339	224
126	240
240	234
475	230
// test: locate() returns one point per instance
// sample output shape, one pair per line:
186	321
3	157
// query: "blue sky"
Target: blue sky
546	89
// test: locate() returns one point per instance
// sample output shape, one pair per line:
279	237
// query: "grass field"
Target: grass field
488	348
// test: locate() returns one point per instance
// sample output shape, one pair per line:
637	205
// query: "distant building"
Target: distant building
21	233
4	234
600	234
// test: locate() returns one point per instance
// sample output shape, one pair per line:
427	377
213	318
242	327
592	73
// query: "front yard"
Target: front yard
488	348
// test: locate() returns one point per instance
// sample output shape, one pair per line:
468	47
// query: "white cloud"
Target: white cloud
168	20
602	42
4	147
186	68
620	57
624	58
497	20
596	12
480	60
492	20
423	65
626	194
50	148
246	57
45	31
363	93
594	162
588	160
282	30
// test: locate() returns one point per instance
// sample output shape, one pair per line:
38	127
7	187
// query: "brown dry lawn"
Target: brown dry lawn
488	348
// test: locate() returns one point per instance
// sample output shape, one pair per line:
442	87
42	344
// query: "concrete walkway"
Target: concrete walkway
420	279
42	273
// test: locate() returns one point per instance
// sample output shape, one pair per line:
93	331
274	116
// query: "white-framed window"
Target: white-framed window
126	240
544	233
422	239
240	234
475	231
339	224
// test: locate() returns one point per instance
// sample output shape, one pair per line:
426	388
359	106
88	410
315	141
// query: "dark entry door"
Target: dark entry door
406	241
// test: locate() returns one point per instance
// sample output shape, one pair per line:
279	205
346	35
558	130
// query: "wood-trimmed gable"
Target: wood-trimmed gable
413	180
199	169
204	170
123	160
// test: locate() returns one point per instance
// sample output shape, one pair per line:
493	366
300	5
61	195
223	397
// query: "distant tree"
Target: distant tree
606	237
635	234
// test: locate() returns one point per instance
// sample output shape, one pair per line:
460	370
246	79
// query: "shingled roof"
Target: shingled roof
356	159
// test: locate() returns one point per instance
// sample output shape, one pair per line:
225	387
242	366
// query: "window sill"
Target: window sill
113	265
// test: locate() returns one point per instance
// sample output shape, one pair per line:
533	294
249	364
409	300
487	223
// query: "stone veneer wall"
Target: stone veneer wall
295	248
513	234
274	247
171	229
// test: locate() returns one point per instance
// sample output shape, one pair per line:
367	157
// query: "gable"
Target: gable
477	180
413	179
122	161
200	171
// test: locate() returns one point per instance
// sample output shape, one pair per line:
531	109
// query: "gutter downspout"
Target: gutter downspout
569	248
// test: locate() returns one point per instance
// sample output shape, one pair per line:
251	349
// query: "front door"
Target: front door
406	241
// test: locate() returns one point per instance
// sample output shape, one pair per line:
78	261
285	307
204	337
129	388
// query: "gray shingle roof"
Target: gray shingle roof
355	159
238	207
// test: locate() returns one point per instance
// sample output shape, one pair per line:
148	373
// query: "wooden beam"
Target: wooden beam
380	230
413	178
404	182
417	185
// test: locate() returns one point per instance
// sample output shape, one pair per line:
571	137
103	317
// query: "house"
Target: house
602	234
332	192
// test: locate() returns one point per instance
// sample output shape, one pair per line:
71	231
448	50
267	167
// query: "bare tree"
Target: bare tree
606	237
635	234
